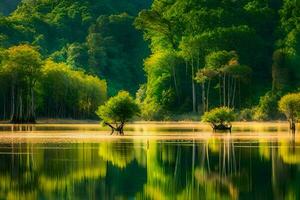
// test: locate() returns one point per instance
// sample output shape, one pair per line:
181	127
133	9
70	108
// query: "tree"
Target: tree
68	93
114	47
224	65
23	64
220	118
290	106
117	111
267	108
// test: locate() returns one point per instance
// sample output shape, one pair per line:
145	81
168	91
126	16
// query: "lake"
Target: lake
152	161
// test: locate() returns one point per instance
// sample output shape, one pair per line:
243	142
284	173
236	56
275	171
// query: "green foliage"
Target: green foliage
267	108
23	62
21	65
219	115
219	59
115	51
210	35
118	109
68	93
94	35
228	47
32	86
246	114
290	106
160	93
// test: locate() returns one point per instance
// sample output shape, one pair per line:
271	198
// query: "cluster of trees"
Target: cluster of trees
82	41
29	84
97	36
220	118
203	54
218	53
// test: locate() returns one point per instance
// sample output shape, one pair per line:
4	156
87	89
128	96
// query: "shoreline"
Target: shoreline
51	121
189	131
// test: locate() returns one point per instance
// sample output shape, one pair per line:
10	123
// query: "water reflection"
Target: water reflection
151	169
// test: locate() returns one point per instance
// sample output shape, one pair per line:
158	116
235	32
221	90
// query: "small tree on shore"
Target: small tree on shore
219	118
290	106
117	111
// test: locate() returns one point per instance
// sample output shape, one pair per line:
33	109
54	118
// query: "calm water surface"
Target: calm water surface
263	165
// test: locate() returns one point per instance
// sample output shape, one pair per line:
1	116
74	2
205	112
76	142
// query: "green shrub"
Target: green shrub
267	108
290	106
246	114
118	110
219	116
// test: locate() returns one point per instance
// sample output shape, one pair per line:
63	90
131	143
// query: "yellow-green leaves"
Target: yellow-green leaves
118	109
219	115
290	106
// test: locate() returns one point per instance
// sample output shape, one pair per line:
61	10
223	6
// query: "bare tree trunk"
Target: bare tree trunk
12	102
207	95
224	90
193	88
175	84
229	91
220	90
234	94
239	93
186	69
203	98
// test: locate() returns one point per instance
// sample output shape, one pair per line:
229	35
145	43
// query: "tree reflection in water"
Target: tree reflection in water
151	169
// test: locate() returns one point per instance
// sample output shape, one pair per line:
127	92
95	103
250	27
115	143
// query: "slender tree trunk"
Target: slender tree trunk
239	94
12	102
224	90
234	94
207	95
193	88
175	84
32	107
229	92
21	107
220	90
186	69
203	98
293	125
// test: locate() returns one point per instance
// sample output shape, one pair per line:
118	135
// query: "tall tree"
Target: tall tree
23	64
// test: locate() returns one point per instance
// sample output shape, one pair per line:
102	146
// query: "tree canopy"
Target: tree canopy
118	110
290	106
219	116
195	54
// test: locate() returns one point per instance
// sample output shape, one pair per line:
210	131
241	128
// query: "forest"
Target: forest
63	59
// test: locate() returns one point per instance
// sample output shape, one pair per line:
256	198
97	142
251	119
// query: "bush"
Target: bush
219	116
246	114
290	106
118	110
267	107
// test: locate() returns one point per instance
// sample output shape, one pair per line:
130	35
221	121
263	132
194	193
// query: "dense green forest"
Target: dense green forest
87	50
219	53
64	58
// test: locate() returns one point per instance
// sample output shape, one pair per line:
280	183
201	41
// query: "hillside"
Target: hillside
97	36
